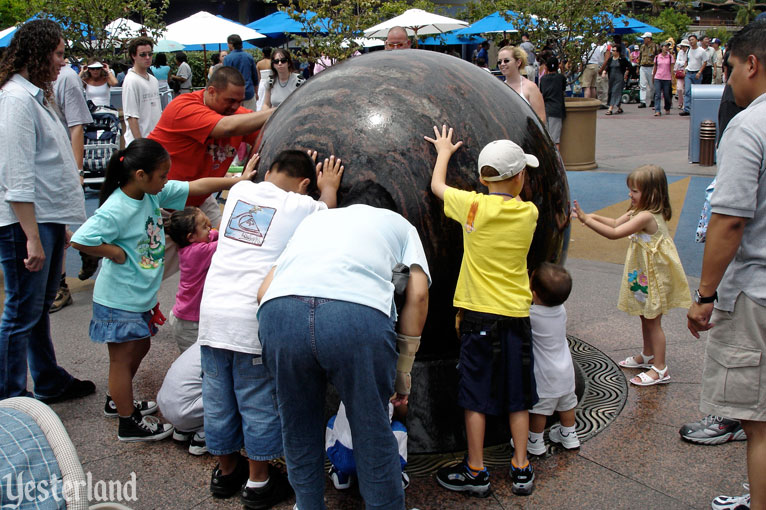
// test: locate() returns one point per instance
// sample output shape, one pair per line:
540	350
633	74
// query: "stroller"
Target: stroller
102	140
631	92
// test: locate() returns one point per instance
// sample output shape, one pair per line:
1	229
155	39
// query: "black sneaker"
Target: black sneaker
642	105
76	389
198	444
143	406
712	430
684	113
523	480
225	486
142	428
277	489
460	479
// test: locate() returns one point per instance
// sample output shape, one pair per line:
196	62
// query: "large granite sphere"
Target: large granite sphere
373	111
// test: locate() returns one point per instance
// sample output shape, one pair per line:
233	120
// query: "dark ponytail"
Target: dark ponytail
142	154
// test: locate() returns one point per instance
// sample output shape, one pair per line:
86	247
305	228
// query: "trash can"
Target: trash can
705	102
707	143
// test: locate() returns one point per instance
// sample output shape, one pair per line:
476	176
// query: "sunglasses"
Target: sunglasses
504	61
149	54
281	61
396	44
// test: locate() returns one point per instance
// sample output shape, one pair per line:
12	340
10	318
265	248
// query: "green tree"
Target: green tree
720	33
673	24
83	21
12	12
746	13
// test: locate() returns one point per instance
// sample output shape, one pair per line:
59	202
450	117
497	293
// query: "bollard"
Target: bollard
707	143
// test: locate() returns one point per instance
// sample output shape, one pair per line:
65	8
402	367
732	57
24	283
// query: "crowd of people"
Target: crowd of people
269	284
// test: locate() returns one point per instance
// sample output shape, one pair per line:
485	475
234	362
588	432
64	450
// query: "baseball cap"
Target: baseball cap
507	158
685	42
647	34
716	40
95	65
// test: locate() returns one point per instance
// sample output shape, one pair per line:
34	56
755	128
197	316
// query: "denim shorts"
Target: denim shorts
496	369
240	401
111	325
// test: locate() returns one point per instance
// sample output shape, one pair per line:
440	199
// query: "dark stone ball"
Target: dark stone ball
372	111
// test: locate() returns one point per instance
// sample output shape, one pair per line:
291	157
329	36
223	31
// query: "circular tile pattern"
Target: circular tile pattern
604	396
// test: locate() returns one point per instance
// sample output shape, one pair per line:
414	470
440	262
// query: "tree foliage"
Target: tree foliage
12	12
84	21
746	13
673	23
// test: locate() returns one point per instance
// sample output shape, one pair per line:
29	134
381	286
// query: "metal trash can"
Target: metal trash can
707	143
706	99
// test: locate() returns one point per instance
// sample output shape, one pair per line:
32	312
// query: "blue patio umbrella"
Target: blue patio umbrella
279	23
626	25
451	38
494	23
5	41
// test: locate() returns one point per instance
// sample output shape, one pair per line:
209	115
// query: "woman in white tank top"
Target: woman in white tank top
510	60
98	80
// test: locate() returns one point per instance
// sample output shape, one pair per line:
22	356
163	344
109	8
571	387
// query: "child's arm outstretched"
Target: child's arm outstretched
444	151
623	226
208	185
329	173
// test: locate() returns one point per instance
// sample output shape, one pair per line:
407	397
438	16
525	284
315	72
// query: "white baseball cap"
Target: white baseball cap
685	42
647	34
507	158
95	65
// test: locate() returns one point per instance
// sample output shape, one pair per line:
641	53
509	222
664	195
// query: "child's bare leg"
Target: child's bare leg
519	422
654	337
475	424
536	423
122	358
228	463
141	352
259	470
567	418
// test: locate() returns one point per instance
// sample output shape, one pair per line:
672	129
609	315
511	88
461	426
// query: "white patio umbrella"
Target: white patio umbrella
205	28
124	28
416	22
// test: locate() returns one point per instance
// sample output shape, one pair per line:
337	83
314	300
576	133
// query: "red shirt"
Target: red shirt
184	130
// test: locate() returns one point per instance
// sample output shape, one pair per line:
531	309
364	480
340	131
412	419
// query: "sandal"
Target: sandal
644	380
619	110
630	362
657	114
609	112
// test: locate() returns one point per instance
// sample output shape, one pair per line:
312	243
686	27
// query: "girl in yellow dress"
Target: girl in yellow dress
654	280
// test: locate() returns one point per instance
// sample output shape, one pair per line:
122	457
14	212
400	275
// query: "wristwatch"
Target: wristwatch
704	300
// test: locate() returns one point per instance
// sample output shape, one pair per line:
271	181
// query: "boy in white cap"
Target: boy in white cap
496	371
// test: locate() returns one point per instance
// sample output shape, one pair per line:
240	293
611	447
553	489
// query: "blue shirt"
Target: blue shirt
245	64
136	227
161	72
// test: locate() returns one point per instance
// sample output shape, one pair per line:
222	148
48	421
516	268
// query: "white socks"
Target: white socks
256	485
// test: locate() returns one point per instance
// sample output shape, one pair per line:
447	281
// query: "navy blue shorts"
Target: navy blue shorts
496	368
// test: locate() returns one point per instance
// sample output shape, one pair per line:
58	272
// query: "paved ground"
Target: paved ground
637	462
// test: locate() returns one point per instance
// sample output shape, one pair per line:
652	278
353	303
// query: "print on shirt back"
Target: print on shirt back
249	223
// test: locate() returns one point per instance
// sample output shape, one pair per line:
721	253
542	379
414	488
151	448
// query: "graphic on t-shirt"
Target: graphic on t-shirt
152	249
221	153
249	223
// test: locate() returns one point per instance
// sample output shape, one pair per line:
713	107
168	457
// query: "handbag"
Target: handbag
680	73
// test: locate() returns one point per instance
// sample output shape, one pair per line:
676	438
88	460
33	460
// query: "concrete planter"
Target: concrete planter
578	134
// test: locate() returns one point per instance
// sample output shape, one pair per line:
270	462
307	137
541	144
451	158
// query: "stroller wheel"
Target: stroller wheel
626	98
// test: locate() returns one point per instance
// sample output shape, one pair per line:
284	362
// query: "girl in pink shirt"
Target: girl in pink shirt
663	74
197	242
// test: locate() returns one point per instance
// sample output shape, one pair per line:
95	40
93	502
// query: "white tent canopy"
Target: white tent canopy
124	28
416	22
204	28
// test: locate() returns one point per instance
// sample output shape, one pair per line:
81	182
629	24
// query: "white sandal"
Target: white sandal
645	380
630	362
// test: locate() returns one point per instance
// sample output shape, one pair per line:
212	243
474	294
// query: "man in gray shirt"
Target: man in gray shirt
529	48
734	268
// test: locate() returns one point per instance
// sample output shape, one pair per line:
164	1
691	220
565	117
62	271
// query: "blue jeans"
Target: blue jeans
308	342
25	332
662	88
691	77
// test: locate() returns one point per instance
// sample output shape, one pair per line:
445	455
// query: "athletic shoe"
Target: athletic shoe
568	441
182	436
684	114
536	447
76	389
405	480
523	480
341	481
63	298
713	430
732	502
259	498
225	486
136	428
145	407
459	478
642	105
197	445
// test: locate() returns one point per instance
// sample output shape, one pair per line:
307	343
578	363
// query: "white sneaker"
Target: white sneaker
732	502
534	447
197	445
568	441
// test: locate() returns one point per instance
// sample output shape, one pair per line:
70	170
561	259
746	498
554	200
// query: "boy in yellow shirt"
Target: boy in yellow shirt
493	295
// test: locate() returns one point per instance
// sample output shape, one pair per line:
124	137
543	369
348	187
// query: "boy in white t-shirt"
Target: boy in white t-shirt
239	394
554	371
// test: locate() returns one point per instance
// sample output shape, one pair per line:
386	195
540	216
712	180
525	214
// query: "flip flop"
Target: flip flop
609	112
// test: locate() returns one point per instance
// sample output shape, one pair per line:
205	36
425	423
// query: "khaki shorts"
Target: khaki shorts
734	377
546	406
184	332
589	76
